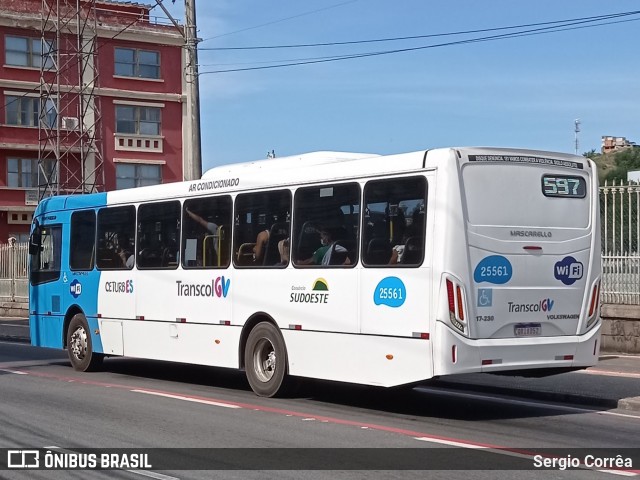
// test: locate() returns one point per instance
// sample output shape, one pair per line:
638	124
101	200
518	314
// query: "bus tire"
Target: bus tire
80	346
265	360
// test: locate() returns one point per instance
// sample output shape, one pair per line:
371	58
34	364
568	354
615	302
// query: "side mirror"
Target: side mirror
35	239
34	243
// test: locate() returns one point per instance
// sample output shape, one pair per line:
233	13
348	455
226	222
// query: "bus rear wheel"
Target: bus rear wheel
80	346
265	360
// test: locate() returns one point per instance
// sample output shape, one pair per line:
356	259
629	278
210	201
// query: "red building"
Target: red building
137	104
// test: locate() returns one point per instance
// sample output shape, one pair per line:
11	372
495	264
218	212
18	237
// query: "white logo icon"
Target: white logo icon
23	458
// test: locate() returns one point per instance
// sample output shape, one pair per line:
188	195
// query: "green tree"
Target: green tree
625	160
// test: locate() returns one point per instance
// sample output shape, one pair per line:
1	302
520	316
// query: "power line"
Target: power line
524	33
281	20
416	37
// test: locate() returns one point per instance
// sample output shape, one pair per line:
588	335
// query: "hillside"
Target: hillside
613	166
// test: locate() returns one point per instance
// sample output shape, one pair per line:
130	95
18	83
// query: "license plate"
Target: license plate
528	330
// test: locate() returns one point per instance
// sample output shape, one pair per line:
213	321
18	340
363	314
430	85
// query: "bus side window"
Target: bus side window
262	221
158	235
115	237
394	222
82	243
206	232
326	220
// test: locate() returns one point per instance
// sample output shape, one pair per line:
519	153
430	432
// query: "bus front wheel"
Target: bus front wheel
80	347
265	360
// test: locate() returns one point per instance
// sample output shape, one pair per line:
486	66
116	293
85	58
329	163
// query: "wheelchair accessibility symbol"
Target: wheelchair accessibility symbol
485	297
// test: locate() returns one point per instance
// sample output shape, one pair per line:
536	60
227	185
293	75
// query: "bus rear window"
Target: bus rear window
510	195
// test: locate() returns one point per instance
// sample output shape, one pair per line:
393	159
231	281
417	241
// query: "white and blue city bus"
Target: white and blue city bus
378	270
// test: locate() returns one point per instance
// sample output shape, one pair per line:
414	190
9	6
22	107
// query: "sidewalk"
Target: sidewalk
613	383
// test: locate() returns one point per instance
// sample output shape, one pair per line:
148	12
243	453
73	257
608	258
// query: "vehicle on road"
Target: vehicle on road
379	270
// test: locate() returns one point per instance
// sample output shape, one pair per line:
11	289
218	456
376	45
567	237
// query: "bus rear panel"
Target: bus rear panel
523	292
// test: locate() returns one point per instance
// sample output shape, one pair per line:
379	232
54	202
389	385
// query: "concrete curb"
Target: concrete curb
632	403
14	309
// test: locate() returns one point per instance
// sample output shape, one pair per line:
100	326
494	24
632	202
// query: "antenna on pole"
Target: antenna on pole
577	130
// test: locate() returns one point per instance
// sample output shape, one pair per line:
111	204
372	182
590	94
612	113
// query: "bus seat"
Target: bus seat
412	251
244	256
209	255
108	258
278	231
308	240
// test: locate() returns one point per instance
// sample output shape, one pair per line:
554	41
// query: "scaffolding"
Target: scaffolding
70	146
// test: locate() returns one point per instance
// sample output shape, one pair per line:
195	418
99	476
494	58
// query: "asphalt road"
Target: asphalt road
146	404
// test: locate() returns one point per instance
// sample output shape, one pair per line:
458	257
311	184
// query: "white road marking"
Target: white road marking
510	453
16	372
610	373
159	476
452	443
187	399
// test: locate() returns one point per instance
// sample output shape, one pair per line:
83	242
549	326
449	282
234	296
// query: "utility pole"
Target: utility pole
576	131
192	164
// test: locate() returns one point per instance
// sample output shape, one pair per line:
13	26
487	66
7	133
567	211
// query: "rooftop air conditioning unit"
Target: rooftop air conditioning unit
70	123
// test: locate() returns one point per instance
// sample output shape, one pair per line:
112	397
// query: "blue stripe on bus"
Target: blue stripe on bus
74	290
46	330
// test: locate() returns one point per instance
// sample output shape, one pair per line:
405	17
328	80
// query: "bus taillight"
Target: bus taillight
455	298
593	303
452	304
459	297
594	299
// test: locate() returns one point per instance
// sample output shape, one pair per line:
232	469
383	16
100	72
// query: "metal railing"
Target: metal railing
620	215
14	272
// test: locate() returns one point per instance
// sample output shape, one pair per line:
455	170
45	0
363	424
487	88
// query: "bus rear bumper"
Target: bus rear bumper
455	354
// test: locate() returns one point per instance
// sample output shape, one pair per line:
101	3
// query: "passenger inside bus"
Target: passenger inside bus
261	244
409	249
209	226
209	253
124	251
328	252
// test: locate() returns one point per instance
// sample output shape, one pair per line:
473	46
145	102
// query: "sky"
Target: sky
526	91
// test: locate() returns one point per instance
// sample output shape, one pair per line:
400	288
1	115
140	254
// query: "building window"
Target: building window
137	120
129	175
25	111
24	172
137	63
28	52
